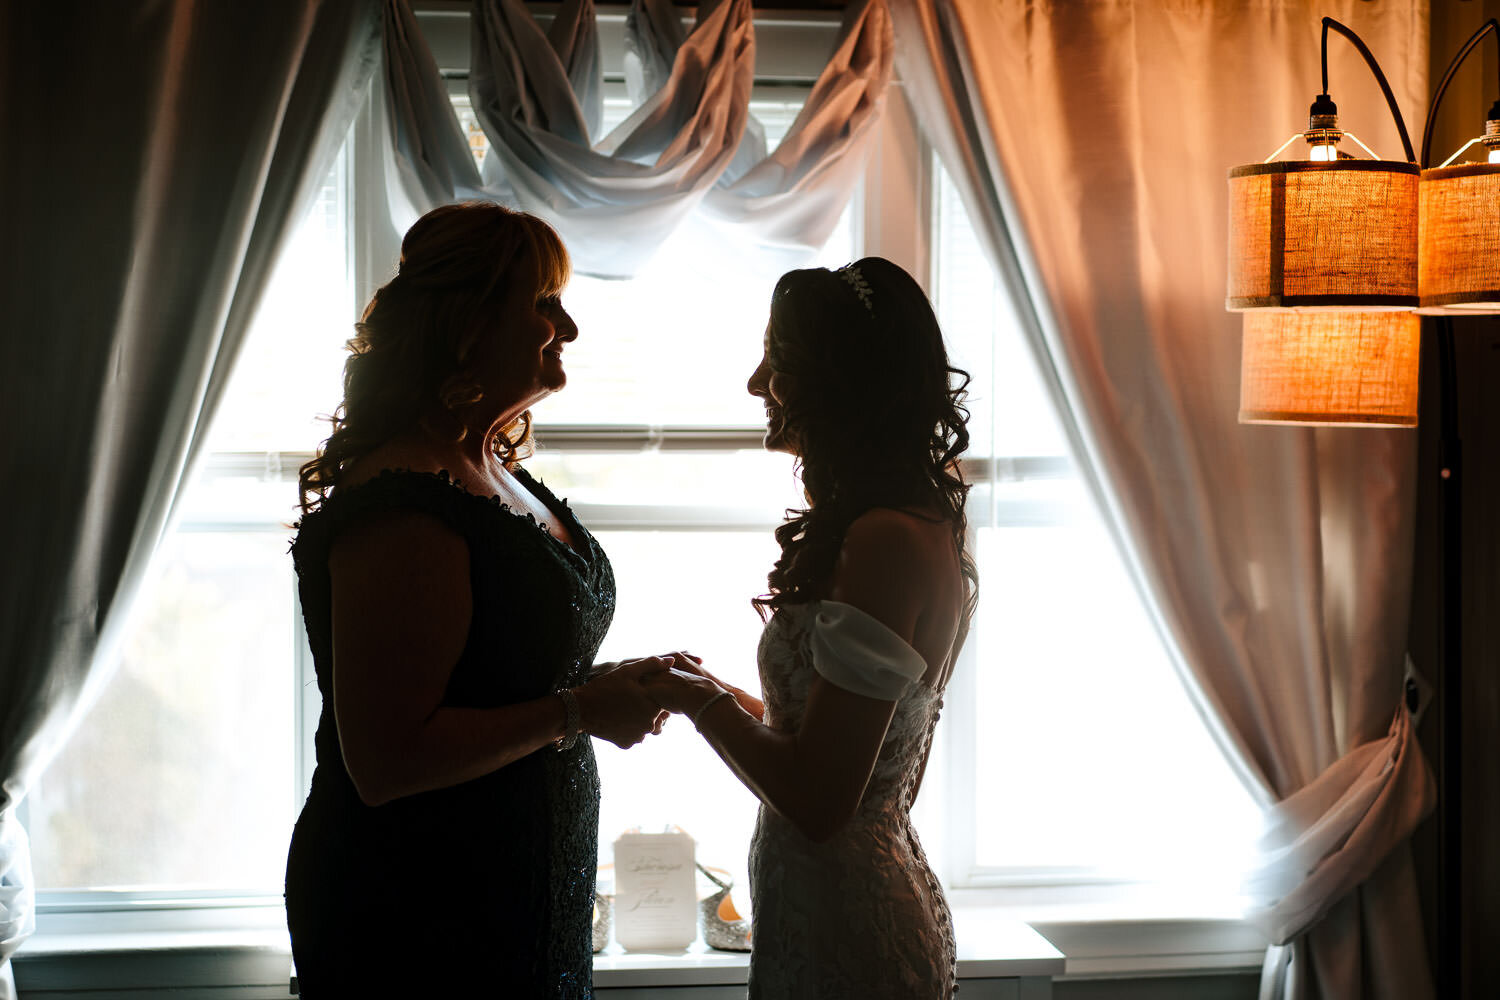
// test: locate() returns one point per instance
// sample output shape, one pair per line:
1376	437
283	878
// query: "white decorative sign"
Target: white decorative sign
656	902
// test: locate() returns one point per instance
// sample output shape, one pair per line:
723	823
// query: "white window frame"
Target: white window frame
892	224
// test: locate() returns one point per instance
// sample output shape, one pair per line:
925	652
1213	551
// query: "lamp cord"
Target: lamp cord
1385	88
1437	98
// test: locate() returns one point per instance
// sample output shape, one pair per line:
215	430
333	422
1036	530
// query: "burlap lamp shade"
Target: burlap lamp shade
1459	268
1338	368
1323	235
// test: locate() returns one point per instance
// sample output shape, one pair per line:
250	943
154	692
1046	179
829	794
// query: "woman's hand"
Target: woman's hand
680	690
747	701
615	706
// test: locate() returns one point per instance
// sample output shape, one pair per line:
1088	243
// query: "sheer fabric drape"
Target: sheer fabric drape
168	148
689	146
1091	141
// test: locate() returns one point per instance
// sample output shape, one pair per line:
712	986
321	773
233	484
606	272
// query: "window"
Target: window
1065	749
184	775
1081	740
684	499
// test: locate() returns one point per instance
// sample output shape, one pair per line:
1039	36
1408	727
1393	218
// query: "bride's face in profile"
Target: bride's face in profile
774	389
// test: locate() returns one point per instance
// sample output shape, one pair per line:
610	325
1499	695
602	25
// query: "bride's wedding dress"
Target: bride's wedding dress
860	915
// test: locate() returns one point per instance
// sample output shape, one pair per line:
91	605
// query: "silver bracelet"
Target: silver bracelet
705	706
571	724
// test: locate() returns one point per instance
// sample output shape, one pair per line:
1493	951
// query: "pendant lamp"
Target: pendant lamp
1323	263
1328	232
1459	234
1346	369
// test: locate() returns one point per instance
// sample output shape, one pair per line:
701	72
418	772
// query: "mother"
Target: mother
454	607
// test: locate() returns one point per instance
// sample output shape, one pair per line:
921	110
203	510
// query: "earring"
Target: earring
458	392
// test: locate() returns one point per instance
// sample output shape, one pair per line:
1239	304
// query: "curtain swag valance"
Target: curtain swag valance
690	145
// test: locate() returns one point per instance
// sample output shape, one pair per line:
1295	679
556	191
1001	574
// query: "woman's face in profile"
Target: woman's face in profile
520	360
774	389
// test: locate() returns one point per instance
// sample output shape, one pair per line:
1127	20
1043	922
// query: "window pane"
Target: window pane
1011	410
675	344
293	355
756	483
182	774
1089	756
1092	730
686	590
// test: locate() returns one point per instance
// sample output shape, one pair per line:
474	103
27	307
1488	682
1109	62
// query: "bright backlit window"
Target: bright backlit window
184	775
1084	759
1069	753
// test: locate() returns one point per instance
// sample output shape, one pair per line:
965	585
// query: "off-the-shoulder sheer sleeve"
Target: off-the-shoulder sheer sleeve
855	651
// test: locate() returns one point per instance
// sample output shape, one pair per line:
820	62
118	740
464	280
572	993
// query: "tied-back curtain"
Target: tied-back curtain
160	155
1091	142
689	146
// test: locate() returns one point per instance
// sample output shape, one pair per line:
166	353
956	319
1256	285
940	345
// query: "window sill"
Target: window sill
989	947
249	947
1124	937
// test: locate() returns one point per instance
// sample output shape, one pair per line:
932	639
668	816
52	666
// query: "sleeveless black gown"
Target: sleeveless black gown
484	888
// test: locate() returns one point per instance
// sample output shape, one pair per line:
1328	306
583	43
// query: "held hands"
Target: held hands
680	690
623	702
677	688
615	706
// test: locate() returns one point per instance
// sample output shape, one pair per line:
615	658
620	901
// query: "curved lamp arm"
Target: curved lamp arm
1385	88
1437	97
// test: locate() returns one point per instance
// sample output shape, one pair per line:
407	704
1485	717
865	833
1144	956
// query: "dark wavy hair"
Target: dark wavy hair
877	416
407	361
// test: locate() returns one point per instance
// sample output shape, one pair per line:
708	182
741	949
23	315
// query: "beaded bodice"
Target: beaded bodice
507	860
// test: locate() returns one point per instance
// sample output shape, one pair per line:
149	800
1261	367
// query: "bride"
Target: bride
868	607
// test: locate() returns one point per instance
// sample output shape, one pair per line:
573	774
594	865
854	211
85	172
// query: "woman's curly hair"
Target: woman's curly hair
877	415
412	345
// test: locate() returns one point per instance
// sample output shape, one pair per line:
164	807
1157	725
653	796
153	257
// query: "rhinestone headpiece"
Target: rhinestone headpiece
850	273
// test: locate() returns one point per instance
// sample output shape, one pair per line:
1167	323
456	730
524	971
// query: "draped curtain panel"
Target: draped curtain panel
689	146
168	149
1091	141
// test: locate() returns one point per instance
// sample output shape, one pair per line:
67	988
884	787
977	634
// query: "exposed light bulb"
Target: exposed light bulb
1323	133
1495	155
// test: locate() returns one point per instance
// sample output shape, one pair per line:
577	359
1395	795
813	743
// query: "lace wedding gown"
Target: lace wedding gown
860	915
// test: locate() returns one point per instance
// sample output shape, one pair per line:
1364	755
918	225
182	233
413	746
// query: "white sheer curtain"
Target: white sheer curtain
786	204
1091	142
168	149
689	146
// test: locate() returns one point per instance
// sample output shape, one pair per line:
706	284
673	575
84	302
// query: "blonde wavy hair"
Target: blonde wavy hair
412	345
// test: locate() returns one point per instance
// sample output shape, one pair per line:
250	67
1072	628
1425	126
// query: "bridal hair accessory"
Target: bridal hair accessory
851	274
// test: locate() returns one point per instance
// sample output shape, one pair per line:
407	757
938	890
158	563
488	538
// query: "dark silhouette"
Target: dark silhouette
454	607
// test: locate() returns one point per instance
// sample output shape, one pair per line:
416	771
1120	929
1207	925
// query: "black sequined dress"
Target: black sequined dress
484	888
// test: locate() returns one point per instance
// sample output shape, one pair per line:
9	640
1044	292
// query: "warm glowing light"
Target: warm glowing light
1323	152
1329	368
1324	235
1458	266
1495	155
